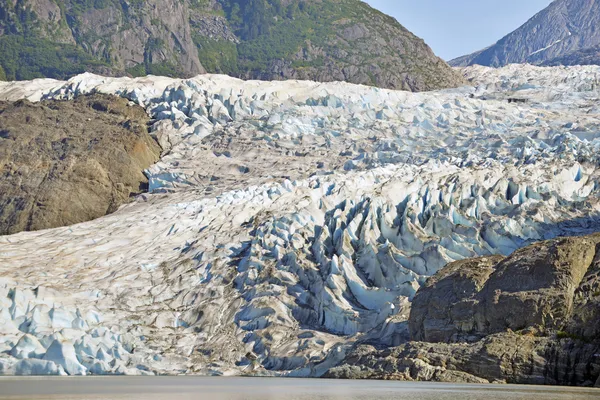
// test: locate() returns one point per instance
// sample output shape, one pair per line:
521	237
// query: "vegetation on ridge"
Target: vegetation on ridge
24	58
323	40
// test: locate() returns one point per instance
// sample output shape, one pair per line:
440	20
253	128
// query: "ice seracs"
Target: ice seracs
289	220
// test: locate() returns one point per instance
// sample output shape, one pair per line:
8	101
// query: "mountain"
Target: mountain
562	31
323	40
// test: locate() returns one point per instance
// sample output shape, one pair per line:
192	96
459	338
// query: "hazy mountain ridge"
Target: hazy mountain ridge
561	31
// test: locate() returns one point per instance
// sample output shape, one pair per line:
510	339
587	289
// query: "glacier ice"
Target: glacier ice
287	221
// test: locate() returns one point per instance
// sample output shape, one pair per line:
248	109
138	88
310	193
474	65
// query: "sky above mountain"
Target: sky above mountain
458	27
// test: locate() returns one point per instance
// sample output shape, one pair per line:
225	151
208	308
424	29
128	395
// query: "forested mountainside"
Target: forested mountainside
323	40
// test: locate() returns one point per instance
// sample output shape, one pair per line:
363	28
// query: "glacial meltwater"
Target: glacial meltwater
180	387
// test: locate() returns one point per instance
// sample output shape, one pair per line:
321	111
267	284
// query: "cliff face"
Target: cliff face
325	40
564	28
152	35
532	317
146	33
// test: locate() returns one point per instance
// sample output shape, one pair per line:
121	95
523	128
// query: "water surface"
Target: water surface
187	387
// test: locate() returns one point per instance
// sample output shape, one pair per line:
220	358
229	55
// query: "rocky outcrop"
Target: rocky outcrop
564	28
67	162
500	358
532	317
534	288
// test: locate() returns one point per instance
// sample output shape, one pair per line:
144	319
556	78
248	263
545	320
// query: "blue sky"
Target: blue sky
457	27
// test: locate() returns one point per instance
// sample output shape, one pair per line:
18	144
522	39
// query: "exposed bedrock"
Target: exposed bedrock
64	162
536	287
532	317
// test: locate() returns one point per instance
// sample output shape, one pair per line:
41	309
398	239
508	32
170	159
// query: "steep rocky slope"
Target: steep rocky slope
340	40
561	31
587	56
324	40
67	162
57	38
532	317
287	222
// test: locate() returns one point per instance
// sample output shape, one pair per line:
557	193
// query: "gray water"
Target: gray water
144	388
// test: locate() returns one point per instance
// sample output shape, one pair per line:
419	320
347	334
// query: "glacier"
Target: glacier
288	221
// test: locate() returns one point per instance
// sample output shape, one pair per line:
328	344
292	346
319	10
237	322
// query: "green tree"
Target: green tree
2	74
256	19
292	10
24	58
235	16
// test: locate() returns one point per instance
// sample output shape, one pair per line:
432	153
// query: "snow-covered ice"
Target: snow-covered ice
288	220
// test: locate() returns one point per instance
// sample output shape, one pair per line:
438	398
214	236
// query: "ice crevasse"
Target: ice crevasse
287	221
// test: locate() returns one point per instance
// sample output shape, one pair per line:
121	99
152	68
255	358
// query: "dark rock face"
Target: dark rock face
534	287
325	40
560	32
587	56
63	163
444	308
532	317
501	358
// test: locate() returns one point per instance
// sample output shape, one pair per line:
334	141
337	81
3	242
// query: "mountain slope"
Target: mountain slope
587	56
56	38
564	27
323	40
